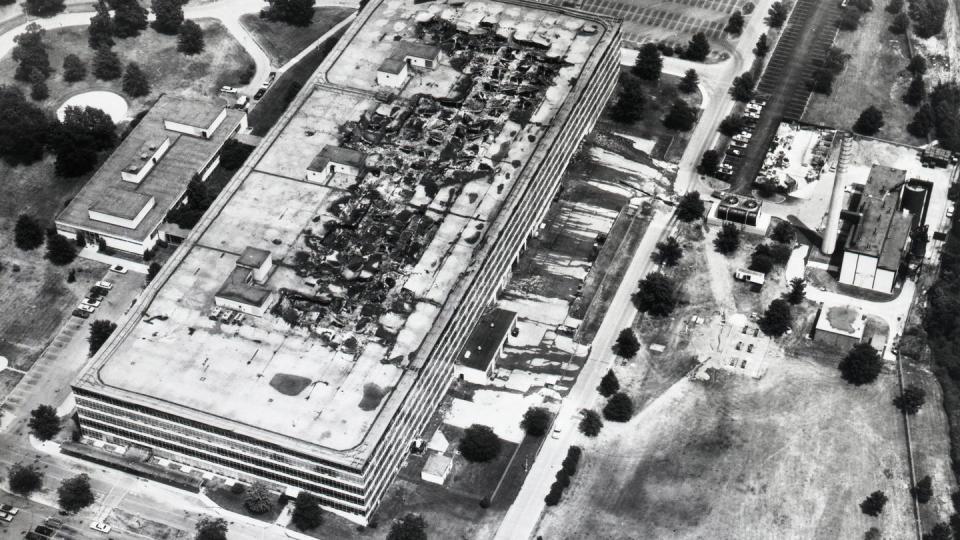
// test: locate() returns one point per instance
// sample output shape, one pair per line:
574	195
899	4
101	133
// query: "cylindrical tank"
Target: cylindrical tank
836	198
913	197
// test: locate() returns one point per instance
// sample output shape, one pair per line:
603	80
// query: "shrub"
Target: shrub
74	69
873	505
27	233
776	319
408	527
923	491
24	479
911	400
60	251
44	423
258	499
627	344
609	384
728	239
869	122
655	295
100	330
306	512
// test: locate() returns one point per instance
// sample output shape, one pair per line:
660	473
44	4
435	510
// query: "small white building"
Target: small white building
437	468
393	72
750	276
243	289
335	160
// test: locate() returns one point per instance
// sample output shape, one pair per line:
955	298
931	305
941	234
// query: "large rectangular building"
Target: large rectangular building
126	201
308	328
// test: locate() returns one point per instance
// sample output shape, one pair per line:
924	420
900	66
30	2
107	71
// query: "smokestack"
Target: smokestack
836	198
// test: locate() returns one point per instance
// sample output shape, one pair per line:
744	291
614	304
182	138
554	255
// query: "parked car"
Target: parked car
555	434
82	314
88	309
6	517
92	302
228	90
118	269
53	522
104	285
12	510
100	526
260	93
242	102
98	292
272	76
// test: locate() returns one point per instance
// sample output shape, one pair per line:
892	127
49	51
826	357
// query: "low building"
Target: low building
740	210
934	156
124	204
750	276
840	325
243	289
880	233
478	359
393	71
437	468
334	160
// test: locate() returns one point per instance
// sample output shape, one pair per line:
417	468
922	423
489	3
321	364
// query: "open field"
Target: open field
788	456
222	62
874	75
282	41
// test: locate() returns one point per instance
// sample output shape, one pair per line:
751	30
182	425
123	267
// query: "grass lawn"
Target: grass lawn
169	72
228	500
269	109
874	75
282	41
8	380
788	456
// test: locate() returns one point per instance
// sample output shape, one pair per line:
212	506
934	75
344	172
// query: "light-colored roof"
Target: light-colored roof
438	465
842	319
120	202
168	179
438	443
253	257
194	113
418	50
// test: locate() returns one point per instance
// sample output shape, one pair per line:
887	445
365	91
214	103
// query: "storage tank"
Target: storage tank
913	198
836	198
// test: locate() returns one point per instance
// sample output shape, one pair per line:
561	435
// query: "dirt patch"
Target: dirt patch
289	385
125	521
372	395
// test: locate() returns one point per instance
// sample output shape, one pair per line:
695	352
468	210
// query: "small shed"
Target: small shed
333	160
392	73
436	469
840	325
750	276
438	443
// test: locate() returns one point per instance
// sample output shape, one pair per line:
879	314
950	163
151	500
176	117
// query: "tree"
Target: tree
849	19
24	479
945	109
627	344
129	18
43	8
760	260
169	16
669	252
863	5
590	424
728	239
74	494
872	533
629	105
152	271
681	116
306	512
60	251
917	65
911	399
76	141
894	7
923	491
408	527
734	24
106	65
649	63
44	423
777	15
873	504
135	83
609	384
190	38
74	69
100	330
233	155
31	54
294	12
928	16
258	499
209	528
655	295
869	122
100	31
915	92
922	122
27	233
688	84
821	81
698	48
900	24
762	47
709	164
731	125
861	366
940	531
776	319
536	421
742	87
797	291
783	232
619	408
690	208
39	90
479	444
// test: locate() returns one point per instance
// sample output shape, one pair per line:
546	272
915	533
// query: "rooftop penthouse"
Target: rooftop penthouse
381	223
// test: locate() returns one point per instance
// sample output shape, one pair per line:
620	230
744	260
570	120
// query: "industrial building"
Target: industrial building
124	204
308	329
880	232
740	210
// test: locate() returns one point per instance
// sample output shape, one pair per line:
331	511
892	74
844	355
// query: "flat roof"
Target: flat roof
237	288
483	344
253	257
168	179
841	319
121	202
879	203
392	65
331	386
418	50
194	113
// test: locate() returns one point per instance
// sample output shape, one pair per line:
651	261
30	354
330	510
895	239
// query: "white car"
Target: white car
118	269
104	285
88	309
100	526
90	302
555	434
6	517
228	90
12	510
